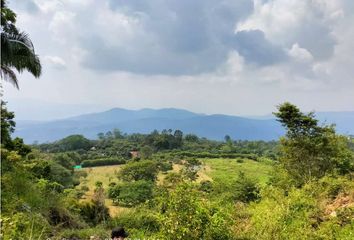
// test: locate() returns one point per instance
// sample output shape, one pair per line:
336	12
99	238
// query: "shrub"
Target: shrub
85	188
165	166
93	212
102	162
137	219
131	193
185	215
246	190
206	186
142	170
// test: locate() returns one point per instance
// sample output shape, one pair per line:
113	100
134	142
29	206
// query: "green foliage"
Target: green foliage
74	142
19	146
17	51
186	216
206	186
165	166
310	151
61	175
140	219
310	212
94	212
191	138
172	179
24	226
102	162
146	152
216	155
7	125
131	193
99	232
142	170
246	189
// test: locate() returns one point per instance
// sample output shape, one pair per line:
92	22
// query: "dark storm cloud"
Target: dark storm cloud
181	37
317	39
255	48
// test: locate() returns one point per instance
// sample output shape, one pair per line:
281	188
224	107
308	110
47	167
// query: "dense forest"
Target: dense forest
170	185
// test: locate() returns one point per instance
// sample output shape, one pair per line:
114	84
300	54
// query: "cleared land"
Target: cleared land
219	170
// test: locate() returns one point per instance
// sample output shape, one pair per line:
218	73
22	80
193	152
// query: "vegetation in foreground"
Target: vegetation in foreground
298	188
181	187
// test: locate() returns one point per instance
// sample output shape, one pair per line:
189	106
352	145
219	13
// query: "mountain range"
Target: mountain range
214	126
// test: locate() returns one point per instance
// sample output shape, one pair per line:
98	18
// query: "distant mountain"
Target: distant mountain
146	120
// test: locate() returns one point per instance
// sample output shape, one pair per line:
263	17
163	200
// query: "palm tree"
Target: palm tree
17	51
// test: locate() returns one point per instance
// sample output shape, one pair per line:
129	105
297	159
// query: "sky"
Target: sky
238	57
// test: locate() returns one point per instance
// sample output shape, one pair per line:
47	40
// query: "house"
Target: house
134	154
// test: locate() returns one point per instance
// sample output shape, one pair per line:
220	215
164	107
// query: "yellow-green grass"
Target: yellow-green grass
223	171
226	170
106	175
202	173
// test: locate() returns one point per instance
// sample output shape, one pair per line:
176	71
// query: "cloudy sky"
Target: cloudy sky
238	57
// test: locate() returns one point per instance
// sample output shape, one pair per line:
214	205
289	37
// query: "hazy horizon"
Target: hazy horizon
231	57
49	112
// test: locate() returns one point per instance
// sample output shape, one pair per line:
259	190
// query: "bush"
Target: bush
172	179
102	162
93	212
246	190
206	186
85	188
99	233
217	155
142	170
165	166
136	219
131	193
185	215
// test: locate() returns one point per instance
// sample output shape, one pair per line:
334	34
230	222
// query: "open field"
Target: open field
224	171
104	174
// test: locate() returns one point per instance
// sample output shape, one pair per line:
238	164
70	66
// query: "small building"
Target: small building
134	154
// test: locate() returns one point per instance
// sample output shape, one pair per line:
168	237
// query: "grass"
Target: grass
219	170
106	175
226	170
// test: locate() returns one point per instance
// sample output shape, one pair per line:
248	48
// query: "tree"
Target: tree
117	134
146	152
142	170
17	51
131	193
74	142
7	125
178	139
246	190
191	138
227	138
308	150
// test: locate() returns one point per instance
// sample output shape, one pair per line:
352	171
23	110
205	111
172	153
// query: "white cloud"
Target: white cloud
152	34
62	26
55	61
300	54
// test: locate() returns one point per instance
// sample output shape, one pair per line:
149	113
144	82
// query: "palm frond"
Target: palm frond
18	52
8	75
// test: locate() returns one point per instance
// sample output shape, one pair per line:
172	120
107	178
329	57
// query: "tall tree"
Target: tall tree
17	51
310	151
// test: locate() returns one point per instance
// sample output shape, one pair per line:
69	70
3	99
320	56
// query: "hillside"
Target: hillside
146	120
